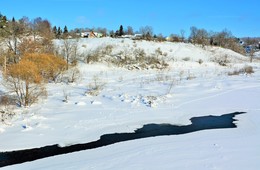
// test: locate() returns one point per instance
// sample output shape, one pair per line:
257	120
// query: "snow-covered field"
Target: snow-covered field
132	98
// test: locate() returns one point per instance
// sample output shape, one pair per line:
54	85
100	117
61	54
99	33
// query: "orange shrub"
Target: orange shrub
24	79
49	65
26	71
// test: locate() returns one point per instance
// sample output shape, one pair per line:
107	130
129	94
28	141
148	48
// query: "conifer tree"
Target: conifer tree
65	32
59	32
121	30
54	30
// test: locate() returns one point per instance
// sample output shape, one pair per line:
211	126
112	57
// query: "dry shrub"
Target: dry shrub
35	45
222	60
30	46
6	108
73	75
95	87
94	56
98	54
107	50
244	70
200	61
27	77
25	80
186	59
234	73
248	69
50	66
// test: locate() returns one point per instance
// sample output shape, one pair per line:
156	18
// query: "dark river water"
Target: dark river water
149	130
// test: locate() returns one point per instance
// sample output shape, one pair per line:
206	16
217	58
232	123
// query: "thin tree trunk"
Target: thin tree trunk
27	94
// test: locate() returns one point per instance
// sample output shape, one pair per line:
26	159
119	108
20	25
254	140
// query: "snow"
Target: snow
133	98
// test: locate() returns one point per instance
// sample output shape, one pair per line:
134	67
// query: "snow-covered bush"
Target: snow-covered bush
99	54
93	57
248	69
95	87
72	75
221	60
244	70
186	59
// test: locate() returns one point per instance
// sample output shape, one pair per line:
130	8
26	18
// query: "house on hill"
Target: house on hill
91	34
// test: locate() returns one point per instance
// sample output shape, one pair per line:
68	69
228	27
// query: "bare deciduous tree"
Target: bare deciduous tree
25	81
198	36
182	35
147	32
70	51
130	30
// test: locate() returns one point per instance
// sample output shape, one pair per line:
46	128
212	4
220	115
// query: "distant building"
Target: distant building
91	34
137	36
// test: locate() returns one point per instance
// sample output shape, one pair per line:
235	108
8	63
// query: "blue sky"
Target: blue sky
241	17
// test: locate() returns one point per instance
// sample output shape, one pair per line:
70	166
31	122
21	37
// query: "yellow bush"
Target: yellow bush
25	80
26	71
26	77
49	65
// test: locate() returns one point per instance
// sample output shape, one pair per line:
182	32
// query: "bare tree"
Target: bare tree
147	32
24	24
11	36
103	31
70	50
43	28
160	37
174	38
130	30
193	34
3	59
198	36
225	39
182	35
25	81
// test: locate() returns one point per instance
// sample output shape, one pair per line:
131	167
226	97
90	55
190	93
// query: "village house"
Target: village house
91	34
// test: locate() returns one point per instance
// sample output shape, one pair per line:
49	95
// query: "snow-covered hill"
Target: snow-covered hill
173	51
128	99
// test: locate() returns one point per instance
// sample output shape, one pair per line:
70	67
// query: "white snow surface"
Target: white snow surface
184	90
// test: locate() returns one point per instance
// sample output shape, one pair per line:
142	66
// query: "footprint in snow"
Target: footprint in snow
80	103
96	102
26	128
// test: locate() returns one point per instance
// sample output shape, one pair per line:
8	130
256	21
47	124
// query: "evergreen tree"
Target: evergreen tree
59	32
65	31
121	30
13	20
54	30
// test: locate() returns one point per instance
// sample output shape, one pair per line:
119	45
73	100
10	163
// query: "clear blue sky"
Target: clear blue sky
241	17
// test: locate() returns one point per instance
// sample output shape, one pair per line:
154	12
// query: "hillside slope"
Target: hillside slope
170	51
